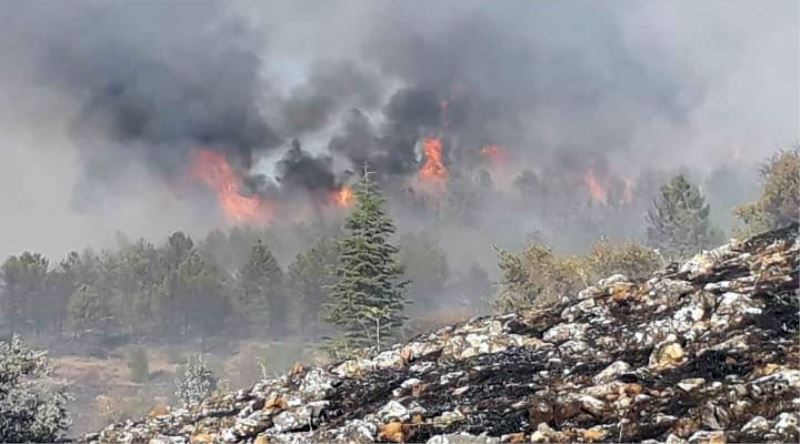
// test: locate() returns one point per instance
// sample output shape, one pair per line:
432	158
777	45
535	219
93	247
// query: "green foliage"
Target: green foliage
200	290
28	411
628	258
678	224
779	203
195	382
367	300
25	284
138	364
310	278
89	309
260	289
537	276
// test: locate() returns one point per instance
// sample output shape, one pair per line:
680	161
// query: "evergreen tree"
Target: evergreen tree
309	280
201	296
63	281
178	247
24	289
367	300
678	223
261	293
90	309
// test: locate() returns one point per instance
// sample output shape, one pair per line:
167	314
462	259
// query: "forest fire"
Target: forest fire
344	197
597	189
497	155
211	168
433	170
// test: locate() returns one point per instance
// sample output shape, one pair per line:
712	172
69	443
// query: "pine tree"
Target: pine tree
367	300
261	293
90	309
678	223
25	285
309	280
201	293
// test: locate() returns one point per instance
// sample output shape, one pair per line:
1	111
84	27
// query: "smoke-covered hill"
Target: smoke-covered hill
704	351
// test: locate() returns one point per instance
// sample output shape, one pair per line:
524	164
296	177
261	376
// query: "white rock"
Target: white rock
393	410
687	385
758	424
611	372
564	332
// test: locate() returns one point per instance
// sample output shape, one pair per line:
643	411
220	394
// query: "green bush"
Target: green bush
779	204
138	364
629	258
28	412
538	276
195	382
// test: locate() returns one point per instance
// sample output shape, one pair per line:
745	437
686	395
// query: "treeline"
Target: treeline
677	226
228	283
171	290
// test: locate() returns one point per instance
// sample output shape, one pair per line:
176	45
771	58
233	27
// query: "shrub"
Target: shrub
629	258
537	276
779	204
195	382
138	364
28	412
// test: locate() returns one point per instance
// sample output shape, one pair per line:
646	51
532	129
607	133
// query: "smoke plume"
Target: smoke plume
110	101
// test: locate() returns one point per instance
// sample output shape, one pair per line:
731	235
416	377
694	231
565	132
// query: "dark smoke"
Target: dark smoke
298	168
623	88
156	77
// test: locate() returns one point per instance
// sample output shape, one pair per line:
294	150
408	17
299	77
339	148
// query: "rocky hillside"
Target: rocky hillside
705	351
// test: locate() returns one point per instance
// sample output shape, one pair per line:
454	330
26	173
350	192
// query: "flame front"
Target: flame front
596	188
433	170
211	168
344	197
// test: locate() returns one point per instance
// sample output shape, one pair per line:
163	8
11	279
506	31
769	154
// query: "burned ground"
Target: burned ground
704	351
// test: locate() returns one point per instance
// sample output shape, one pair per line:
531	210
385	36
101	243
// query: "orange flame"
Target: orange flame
433	170
597	190
344	197
211	168
496	154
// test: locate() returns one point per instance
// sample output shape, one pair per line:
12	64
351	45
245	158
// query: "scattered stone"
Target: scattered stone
703	352
687	385
611	372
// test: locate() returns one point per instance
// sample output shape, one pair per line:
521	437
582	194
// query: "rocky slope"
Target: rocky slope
705	351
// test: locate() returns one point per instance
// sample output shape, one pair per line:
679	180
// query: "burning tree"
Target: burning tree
367	300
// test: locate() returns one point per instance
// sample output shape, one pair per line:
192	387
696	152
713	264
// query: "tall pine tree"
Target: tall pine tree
367	300
261	292
309	280
678	222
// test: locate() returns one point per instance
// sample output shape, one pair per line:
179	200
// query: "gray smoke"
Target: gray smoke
124	92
